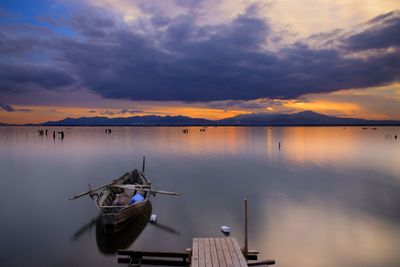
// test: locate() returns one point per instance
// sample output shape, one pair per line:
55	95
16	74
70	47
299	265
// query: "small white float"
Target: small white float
153	218
225	229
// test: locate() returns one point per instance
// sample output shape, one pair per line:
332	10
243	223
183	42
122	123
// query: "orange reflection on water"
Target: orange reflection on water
341	146
215	140
331	147
316	234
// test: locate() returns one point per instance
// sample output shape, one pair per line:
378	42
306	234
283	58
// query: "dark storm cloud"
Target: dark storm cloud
9	108
21	38
6	107
243	104
225	62
95	25
200	64
122	111
17	46
384	33
22	77
178	60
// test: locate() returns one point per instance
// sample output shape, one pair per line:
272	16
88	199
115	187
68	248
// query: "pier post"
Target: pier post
245	248
144	164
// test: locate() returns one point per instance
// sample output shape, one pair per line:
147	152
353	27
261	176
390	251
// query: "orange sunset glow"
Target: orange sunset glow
373	103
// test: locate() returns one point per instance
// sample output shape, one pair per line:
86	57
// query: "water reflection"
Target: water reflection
329	197
166	228
110	243
86	228
315	234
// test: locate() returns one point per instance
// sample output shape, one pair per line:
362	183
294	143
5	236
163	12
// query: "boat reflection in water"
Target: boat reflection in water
110	243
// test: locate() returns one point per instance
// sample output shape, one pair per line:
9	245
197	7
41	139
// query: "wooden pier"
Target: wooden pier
217	252
205	252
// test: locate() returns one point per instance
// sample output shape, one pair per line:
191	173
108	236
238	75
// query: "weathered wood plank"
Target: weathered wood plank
195	253
227	255
207	252
239	254
220	252
202	260
214	255
232	252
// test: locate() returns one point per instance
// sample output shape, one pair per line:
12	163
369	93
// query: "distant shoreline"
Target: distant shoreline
212	125
304	119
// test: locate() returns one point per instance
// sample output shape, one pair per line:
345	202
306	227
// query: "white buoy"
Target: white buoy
153	218
225	229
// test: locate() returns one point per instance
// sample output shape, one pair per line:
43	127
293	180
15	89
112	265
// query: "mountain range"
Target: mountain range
305	118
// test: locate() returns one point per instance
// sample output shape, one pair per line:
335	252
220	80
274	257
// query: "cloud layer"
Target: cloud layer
9	108
175	58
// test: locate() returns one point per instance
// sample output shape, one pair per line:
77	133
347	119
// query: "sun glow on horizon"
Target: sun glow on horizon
379	103
41	114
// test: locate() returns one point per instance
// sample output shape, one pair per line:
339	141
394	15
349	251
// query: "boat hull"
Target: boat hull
109	243
114	222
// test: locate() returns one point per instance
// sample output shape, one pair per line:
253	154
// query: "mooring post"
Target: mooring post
245	248
144	163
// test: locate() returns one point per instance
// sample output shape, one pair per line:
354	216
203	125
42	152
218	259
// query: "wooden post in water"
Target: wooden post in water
144	163
245	248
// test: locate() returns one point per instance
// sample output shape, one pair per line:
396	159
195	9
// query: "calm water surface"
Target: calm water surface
329	197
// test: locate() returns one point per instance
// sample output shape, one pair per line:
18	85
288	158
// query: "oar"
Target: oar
138	187
91	191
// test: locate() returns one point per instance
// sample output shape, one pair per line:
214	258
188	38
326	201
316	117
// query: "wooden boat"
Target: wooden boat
113	216
123	199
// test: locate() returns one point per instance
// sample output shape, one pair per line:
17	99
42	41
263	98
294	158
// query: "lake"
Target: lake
329	196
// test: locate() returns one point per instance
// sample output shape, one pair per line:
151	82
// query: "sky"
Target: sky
200	58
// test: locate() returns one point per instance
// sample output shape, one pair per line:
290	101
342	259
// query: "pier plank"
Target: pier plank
220	252
228	259
214	255
236	248
232	252
217	252
207	252
202	260
195	253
